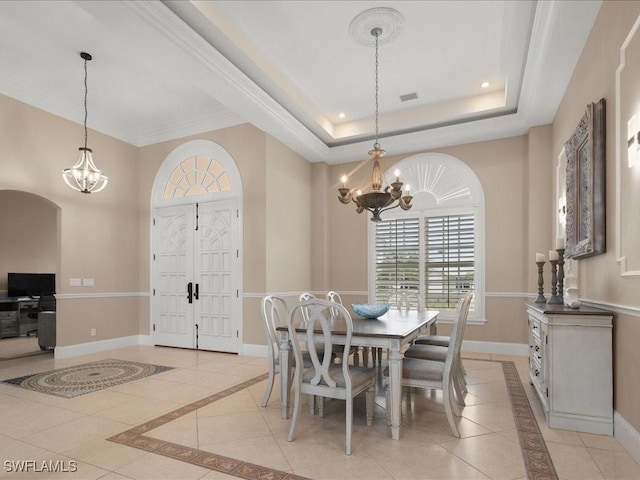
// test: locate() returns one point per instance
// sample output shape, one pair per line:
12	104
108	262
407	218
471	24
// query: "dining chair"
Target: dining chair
325	378
405	299
438	375
333	296
442	341
438	353
274	314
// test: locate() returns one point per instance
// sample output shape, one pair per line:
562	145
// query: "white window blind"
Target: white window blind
432	256
449	259
397	257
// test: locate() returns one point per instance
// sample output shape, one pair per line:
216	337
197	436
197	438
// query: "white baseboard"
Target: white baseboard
628	436
254	350
99	346
519	349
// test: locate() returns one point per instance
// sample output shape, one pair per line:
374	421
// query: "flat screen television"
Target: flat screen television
30	284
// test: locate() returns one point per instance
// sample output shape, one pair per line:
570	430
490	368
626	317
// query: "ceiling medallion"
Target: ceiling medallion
388	20
378	199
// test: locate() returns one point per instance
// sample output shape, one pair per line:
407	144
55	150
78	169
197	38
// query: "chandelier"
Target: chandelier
378	199
84	176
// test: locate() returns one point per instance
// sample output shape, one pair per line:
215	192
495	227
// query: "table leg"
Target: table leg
285	374
395	390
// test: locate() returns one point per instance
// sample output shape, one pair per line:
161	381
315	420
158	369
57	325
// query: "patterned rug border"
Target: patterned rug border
537	461
68	390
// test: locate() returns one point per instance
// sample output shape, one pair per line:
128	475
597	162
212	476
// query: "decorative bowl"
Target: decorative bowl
370	310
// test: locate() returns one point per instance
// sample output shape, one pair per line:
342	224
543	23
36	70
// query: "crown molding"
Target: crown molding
229	85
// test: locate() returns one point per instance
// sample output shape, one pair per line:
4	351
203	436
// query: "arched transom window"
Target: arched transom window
197	171
196	175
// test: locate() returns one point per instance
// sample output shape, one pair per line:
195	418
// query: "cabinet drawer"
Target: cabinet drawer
8	315
8	328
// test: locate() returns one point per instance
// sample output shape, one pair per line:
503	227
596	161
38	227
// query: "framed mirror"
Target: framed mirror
585	179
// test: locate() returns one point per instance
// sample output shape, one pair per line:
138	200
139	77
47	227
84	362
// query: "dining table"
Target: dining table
394	331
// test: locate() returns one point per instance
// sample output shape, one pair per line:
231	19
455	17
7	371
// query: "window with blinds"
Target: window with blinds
449	259
432	256
397	257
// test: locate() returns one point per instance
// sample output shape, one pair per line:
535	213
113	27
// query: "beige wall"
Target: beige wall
28	234
98	233
600	280
288	219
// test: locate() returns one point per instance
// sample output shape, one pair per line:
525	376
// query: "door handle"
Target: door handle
196	294
190	292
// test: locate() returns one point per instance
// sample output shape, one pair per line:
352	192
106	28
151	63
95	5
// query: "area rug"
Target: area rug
90	377
537	461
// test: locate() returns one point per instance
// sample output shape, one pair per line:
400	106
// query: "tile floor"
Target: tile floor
45	429
12	347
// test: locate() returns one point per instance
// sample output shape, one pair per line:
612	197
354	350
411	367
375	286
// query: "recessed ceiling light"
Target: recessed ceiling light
485	84
341	115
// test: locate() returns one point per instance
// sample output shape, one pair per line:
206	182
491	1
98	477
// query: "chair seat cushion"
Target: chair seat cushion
418	369
359	375
427	352
440	340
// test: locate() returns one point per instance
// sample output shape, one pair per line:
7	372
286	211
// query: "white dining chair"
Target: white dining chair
442	341
403	300
274	314
406	300
333	296
438	353
325	378
438	375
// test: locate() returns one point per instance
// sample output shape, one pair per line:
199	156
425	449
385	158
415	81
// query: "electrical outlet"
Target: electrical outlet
93	332
87	282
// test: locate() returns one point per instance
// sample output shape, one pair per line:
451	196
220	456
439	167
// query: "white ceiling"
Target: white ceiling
163	70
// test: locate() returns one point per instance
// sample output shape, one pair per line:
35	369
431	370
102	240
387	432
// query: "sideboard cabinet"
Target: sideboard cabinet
570	366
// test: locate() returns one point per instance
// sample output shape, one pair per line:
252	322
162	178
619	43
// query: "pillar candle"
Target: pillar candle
540	257
553	255
560	243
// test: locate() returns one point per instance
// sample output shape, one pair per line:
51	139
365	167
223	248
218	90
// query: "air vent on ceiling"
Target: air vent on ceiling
408	96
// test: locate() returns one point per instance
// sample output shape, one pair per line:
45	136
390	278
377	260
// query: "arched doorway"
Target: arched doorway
29	243
196	238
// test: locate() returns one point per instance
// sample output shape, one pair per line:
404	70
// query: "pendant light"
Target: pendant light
84	176
378	199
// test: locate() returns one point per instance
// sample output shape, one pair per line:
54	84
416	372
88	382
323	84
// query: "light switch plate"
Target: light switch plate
75	282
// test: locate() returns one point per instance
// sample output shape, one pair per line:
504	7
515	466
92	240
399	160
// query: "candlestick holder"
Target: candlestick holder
541	298
561	274
553	299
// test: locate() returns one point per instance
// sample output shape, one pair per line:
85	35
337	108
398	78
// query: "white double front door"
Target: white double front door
195	271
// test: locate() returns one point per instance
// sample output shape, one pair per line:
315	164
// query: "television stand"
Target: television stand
14	316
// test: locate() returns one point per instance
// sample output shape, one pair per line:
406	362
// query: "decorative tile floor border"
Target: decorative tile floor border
537	461
135	437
